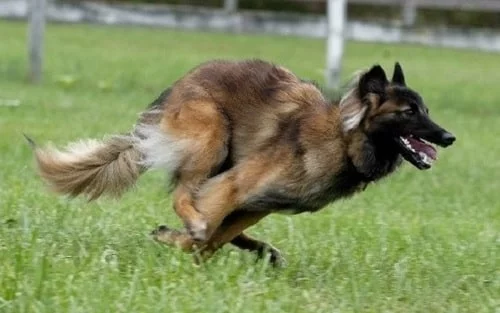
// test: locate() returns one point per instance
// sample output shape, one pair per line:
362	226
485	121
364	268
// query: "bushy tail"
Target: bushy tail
91	167
94	168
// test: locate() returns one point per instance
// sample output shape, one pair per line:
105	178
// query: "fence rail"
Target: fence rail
469	5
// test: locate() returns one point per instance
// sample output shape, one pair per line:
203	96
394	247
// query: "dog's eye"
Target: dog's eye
409	112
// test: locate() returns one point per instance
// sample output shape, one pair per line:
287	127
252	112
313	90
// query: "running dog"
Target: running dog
244	139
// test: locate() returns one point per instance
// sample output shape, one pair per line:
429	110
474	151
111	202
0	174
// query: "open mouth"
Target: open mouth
416	151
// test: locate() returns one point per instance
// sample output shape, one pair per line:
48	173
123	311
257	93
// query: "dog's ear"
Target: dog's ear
373	81
398	77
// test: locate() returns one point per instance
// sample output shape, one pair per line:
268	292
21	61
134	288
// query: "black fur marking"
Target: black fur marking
268	92
175	178
407	95
342	185
31	142
230	86
259	247
160	229
246	244
374	81
412	98
289	131
274	200
228	161
163	228
225	166
381	157
160	101
398	77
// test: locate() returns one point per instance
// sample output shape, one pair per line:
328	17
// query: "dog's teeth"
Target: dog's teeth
422	155
407	144
425	158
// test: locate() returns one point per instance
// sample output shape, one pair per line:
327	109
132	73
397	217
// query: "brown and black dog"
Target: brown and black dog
244	139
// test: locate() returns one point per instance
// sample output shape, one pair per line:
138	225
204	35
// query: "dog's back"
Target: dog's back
262	104
218	115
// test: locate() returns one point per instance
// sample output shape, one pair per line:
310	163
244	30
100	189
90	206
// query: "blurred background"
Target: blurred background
443	23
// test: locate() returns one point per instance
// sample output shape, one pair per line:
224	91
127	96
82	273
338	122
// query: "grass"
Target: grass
416	242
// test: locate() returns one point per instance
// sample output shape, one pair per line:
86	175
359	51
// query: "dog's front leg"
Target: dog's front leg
224	194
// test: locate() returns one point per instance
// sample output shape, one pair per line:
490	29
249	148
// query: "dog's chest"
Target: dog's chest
308	195
344	184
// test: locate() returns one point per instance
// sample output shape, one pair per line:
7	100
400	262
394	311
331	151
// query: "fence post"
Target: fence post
409	12
36	29
336	16
230	6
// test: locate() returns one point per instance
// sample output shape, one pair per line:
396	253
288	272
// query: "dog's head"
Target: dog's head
393	112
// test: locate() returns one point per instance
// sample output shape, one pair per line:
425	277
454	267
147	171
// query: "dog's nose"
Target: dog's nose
447	139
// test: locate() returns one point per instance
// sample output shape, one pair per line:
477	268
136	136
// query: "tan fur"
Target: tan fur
352	109
92	168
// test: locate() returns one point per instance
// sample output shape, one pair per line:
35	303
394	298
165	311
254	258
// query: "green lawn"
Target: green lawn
416	242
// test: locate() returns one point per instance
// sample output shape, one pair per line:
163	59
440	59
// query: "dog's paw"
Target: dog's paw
197	229
160	229
273	255
164	234
277	259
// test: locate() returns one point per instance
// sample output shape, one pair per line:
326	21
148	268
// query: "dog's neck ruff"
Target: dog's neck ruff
375	159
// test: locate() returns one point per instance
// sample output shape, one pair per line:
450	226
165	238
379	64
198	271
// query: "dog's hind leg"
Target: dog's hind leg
262	248
184	207
232	227
191	142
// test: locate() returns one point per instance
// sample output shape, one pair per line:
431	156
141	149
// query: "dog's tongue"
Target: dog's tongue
421	146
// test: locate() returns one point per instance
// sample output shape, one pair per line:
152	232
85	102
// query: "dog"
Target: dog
245	139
